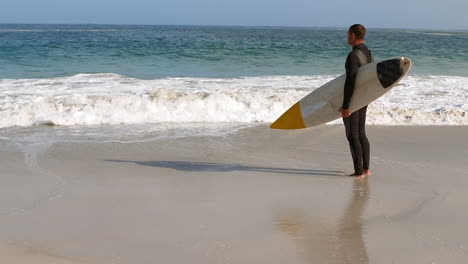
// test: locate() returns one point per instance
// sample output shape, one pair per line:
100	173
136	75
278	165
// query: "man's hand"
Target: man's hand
344	112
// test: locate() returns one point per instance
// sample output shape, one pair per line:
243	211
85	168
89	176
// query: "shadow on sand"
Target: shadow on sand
222	167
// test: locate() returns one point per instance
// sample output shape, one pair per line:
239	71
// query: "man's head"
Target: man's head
356	34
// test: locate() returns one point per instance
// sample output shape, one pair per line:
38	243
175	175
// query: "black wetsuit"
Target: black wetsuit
355	124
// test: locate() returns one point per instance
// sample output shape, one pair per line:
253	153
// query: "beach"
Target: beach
255	195
142	144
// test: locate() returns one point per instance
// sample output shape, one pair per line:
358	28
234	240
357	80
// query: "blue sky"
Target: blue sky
426	14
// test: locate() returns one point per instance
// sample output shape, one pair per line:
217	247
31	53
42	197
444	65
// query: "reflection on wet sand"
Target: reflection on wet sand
339	242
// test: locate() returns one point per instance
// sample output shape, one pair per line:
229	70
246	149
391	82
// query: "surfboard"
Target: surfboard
321	105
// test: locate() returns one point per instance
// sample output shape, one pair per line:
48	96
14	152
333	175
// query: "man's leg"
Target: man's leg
363	140
352	134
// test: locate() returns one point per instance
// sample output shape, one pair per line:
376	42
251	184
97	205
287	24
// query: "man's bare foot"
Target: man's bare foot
367	172
358	176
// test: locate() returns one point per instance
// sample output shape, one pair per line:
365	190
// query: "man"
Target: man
355	122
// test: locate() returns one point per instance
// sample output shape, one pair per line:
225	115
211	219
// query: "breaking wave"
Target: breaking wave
112	99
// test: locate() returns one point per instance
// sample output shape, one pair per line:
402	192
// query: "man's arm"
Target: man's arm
352	65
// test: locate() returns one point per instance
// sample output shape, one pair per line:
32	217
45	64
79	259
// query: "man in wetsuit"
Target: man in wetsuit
355	122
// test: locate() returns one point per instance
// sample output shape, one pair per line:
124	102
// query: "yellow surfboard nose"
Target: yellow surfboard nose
291	119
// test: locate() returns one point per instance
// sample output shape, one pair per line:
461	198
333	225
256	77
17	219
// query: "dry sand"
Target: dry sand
254	196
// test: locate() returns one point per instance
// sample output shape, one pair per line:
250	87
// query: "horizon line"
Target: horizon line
232	25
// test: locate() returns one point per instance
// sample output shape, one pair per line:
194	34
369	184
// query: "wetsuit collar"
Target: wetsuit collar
358	46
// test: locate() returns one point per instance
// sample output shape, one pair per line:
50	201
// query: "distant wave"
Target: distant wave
430	33
439	34
112	99
56	30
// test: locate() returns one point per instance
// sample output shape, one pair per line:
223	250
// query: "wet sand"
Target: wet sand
254	196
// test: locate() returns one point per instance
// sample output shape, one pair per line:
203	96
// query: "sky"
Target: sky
412	14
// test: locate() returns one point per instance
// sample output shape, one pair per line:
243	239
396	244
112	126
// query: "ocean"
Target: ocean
136	81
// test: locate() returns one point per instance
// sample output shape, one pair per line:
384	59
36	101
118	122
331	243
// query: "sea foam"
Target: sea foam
111	99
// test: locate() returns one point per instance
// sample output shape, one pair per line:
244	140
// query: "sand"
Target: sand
253	196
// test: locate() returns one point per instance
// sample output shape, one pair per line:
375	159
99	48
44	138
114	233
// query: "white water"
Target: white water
111	99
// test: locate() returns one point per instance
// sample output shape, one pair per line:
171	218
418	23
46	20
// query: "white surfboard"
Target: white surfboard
321	106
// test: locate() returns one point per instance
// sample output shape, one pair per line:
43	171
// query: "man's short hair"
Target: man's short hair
358	30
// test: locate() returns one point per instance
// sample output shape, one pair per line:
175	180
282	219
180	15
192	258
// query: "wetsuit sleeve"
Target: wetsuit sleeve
352	65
